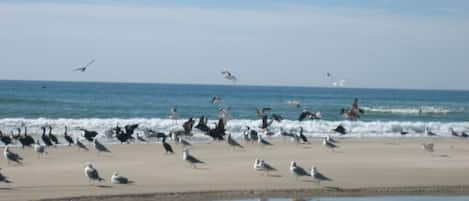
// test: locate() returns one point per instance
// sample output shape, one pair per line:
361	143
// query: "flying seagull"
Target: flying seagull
215	100
190	159
92	173
228	75
83	69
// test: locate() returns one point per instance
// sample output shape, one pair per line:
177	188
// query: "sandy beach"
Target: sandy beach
371	166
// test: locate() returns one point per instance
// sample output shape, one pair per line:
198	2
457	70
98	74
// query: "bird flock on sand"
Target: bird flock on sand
127	133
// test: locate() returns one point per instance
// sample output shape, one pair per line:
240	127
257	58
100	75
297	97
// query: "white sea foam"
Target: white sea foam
236	127
412	110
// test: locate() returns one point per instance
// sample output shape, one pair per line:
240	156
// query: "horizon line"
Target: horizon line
240	85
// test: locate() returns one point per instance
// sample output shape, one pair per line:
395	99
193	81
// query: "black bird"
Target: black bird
306	115
202	125
52	137
167	147
277	117
67	137
45	138
89	135
218	132
265	122
188	125
83	69
302	136
5	139
340	129
26	140
404	132
123	137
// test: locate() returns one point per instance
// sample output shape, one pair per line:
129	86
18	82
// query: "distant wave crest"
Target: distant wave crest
412	110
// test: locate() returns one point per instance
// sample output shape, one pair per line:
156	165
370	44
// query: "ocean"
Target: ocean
100	106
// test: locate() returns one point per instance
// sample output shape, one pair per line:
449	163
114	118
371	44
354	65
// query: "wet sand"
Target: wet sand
358	167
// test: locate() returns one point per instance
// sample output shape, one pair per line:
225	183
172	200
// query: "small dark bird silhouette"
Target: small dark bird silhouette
83	69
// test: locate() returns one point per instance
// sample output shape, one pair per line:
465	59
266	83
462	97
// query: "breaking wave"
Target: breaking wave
317	128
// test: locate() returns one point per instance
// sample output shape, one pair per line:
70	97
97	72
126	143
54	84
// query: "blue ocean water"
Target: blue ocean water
384	198
101	105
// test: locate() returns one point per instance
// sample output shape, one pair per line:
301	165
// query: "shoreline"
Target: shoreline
280	193
360	167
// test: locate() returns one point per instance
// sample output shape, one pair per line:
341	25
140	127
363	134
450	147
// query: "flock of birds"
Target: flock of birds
127	133
217	132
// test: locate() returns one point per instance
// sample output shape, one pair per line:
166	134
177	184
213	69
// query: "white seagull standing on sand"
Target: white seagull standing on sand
118	179
297	170
11	157
232	142
262	166
329	144
92	173
190	159
318	177
39	149
100	147
228	75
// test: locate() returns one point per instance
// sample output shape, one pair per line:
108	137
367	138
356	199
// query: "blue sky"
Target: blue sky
383	44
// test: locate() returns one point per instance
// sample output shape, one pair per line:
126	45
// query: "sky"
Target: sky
371	43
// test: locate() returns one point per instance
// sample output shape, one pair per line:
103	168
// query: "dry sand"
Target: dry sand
381	166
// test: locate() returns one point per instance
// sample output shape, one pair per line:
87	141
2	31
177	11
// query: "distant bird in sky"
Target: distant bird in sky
215	100
83	68
228	75
340	83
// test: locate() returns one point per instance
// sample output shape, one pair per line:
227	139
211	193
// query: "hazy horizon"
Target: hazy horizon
371	44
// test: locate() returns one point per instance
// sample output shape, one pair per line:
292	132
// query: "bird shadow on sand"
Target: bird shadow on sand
275	175
333	188
442	156
5	189
201	168
103	186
